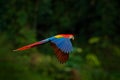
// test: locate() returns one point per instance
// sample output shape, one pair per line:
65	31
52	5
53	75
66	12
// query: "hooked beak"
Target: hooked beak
72	38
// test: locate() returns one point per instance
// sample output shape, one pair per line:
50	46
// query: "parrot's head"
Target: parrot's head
70	36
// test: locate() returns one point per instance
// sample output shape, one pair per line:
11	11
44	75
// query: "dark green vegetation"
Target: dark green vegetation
95	24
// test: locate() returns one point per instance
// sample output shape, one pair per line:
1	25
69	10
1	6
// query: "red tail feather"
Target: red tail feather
27	46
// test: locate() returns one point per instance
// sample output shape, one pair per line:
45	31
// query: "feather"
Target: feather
61	56
63	44
31	45
60	43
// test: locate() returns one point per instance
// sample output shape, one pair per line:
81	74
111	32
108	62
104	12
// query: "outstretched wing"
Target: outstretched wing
62	48
61	56
64	44
31	45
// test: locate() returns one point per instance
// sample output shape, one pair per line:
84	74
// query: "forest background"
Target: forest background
94	23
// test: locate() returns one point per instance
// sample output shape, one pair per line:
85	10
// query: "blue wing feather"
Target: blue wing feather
63	44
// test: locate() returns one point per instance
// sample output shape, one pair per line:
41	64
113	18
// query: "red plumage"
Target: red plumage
60	43
61	56
27	46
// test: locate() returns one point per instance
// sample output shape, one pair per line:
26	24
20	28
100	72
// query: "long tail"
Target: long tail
31	45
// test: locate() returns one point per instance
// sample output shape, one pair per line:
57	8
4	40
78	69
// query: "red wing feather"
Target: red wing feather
61	56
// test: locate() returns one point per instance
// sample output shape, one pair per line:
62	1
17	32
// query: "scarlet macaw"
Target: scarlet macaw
61	44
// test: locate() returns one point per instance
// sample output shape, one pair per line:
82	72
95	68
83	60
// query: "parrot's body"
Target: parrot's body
61	44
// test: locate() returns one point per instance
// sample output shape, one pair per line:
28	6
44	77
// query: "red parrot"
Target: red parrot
61	44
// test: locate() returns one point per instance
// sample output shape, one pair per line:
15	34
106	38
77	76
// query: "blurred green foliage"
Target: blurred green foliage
95	24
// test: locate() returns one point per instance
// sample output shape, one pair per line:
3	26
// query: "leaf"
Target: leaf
94	40
93	60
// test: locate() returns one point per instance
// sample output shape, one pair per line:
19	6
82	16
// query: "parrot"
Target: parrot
60	43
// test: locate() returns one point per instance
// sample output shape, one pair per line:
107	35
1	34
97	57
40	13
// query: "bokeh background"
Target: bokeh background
94	23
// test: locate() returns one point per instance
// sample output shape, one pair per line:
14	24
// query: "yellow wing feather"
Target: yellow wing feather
58	36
